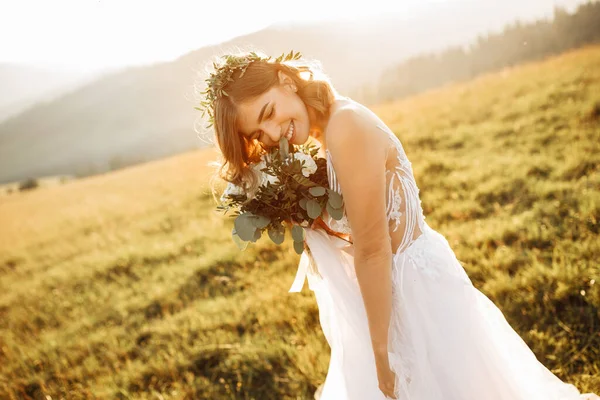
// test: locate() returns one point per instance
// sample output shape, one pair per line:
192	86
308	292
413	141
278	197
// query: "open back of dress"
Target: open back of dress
403	205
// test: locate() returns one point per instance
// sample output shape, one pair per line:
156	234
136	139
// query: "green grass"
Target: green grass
127	285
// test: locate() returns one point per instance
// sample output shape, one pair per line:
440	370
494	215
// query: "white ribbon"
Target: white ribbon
316	239
300	274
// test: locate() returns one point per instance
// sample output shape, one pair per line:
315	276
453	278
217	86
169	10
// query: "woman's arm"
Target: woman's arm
358	153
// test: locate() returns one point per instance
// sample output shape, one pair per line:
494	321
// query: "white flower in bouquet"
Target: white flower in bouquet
263	177
310	166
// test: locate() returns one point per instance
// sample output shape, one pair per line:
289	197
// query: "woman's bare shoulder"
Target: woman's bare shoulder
352	122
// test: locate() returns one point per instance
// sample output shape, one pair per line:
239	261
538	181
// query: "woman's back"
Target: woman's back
403	205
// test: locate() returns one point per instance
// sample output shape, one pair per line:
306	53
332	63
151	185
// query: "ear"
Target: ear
286	80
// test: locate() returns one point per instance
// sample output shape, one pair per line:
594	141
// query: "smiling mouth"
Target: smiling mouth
291	131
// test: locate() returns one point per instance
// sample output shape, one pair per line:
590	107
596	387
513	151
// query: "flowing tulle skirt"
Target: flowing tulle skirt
447	340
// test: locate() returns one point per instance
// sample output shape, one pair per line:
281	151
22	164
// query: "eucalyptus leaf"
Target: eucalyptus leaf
317	191
313	208
257	235
276	233
241	244
335	199
284	147
244	227
298	233
335	213
302	203
260	221
299	247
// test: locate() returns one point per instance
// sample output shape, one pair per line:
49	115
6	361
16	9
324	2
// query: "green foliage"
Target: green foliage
298	233
293	199
317	191
277	233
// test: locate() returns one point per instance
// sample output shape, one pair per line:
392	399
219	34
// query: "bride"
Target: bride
400	314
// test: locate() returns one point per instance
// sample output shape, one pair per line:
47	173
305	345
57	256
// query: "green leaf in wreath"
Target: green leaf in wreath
298	246
335	213
244	227
335	199
298	233
276	233
317	191
313	208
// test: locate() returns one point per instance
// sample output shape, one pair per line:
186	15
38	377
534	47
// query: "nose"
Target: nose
273	131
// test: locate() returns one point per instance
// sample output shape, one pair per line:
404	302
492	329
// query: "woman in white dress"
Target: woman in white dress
400	314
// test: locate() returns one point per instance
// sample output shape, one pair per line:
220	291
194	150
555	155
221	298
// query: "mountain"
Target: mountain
144	113
26	85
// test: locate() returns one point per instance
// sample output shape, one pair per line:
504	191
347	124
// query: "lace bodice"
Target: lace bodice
403	205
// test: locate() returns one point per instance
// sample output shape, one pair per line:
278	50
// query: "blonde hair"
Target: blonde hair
238	152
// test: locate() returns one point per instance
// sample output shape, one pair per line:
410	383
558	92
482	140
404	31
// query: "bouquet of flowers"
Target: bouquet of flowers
293	190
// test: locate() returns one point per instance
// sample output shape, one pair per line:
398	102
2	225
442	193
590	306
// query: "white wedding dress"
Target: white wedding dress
447	340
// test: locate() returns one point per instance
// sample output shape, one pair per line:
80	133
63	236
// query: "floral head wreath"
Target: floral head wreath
223	73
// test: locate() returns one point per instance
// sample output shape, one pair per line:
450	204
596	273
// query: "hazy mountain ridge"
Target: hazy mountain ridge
23	86
515	44
145	113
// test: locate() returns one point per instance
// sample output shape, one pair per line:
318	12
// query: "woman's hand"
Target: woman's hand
386	377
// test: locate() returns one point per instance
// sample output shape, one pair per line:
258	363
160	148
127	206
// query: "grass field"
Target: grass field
128	285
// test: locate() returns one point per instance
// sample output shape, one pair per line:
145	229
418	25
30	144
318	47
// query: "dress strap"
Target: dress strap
333	183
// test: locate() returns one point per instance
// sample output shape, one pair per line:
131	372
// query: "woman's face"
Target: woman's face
274	114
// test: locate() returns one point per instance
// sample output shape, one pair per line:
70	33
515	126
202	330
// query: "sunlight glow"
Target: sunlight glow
90	34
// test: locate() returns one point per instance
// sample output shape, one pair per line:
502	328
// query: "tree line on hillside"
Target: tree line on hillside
518	42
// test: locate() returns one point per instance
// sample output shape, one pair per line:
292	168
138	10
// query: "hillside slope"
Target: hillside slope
146	113
126	285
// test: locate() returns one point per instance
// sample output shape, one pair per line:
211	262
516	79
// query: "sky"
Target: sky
86	35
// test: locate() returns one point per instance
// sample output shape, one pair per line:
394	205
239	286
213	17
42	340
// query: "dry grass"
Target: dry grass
127	285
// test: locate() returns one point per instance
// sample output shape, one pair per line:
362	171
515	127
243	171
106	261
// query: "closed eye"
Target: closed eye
271	115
